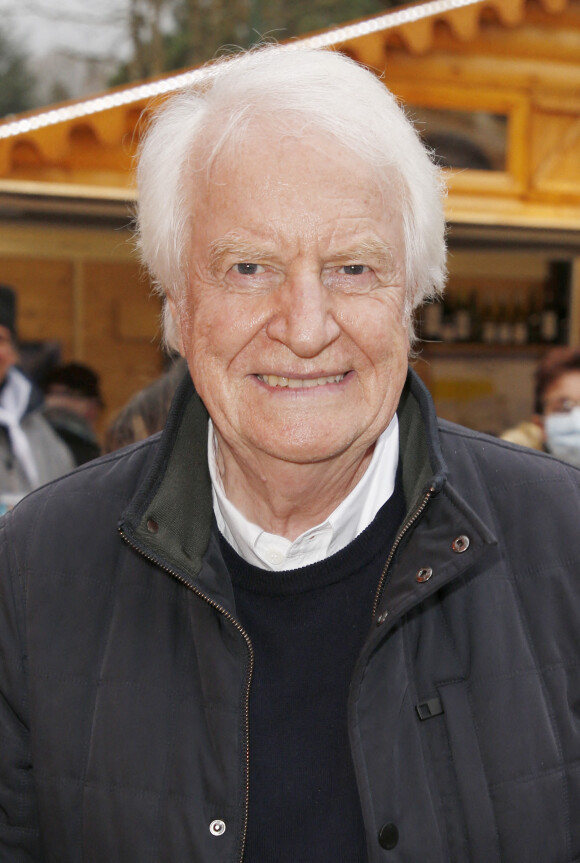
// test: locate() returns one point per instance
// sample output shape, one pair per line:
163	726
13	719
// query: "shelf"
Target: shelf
429	350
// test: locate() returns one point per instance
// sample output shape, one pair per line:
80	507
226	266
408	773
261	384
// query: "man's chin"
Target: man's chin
305	450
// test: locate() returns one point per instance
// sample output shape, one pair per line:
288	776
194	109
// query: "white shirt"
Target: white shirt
351	517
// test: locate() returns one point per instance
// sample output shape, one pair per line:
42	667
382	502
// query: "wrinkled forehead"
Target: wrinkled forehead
290	140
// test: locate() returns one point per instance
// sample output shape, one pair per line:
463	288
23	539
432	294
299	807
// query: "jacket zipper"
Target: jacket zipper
407	525
246	638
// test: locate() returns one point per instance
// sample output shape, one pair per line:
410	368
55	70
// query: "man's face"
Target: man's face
8	355
293	324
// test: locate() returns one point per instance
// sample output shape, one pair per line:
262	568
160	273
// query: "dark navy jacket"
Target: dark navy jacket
124	674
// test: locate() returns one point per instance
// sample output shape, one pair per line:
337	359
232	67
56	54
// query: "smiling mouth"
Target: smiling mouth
299	383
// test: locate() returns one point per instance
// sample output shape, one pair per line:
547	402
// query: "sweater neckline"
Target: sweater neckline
339	566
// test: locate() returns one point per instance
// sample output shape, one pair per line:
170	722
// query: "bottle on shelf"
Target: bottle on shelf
557	302
489	322
462	319
432	321
474	317
503	313
448	328
534	317
520	321
505	323
549	324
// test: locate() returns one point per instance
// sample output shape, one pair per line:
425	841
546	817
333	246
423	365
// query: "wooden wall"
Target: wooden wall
84	288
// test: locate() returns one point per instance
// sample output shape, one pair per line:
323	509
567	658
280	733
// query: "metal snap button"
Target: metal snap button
388	836
217	827
460	544
382	617
152	525
424	574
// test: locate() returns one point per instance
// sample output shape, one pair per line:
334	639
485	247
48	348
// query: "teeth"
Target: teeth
299	383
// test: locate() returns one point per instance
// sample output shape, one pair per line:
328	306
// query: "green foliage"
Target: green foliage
302	16
16	81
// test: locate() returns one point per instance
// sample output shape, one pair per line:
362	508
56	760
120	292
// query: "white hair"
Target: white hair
318	89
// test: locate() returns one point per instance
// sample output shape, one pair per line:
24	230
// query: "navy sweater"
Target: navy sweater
307	627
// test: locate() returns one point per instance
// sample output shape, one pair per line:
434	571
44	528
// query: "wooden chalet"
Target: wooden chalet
494	86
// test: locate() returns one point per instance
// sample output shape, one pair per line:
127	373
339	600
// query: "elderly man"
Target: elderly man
308	622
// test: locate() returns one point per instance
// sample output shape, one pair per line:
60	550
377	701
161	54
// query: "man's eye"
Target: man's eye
354	269
248	269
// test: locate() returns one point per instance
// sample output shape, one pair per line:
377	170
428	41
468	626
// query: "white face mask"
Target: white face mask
563	435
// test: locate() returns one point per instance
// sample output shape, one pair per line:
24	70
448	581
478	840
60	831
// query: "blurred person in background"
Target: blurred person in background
31	453
73	405
555	424
145	413
558	403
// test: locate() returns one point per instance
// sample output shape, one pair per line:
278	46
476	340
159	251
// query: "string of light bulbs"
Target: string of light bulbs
149	90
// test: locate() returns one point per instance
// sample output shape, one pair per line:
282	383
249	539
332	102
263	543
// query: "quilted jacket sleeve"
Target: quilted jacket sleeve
19	833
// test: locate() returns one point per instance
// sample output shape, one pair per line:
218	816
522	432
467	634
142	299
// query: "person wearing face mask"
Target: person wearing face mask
555	425
558	403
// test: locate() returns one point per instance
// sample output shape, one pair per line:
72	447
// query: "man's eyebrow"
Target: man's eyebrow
366	249
233	246
237	248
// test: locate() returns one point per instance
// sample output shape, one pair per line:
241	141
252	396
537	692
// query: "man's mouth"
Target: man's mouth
299	383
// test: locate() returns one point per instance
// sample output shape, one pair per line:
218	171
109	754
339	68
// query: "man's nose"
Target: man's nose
303	319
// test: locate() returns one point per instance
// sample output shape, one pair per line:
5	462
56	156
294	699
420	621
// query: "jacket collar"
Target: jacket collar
453	537
422	462
170	517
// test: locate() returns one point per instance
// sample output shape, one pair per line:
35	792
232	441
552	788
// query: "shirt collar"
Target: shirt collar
346	522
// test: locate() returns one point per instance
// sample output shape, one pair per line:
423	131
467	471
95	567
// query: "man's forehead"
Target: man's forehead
270	194
263	142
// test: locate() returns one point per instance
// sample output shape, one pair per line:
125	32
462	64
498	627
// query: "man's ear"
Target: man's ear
172	325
